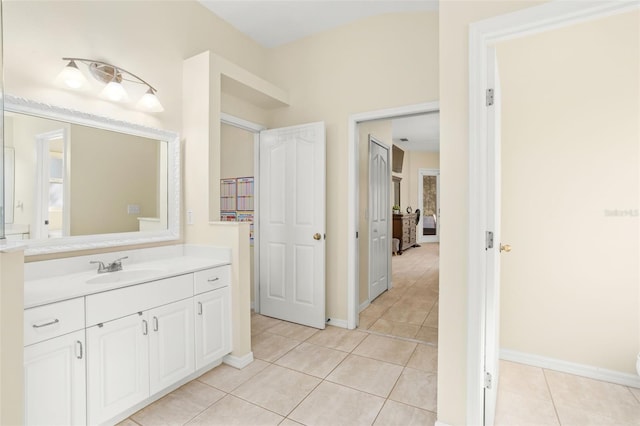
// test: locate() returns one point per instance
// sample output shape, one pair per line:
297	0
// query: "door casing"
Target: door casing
483	35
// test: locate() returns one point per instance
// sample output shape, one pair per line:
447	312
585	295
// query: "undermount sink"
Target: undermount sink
125	275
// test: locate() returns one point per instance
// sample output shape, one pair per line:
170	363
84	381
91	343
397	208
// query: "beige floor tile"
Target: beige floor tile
338	338
227	378
386	299
269	347
367	321
292	331
520	409
180	406
424	358
403	314
635	392
367	375
335	405
398	414
127	422
524	380
432	318
395	328
289	422
416	388
572	416
385	349
260	323
277	389
593	397
234	411
409	303
375	310
428	334
312	359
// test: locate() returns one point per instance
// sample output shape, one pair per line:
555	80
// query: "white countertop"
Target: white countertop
55	288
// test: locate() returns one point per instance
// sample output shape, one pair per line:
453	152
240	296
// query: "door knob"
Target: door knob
505	247
317	236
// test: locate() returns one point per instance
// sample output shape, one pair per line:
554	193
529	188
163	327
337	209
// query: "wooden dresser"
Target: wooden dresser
404	229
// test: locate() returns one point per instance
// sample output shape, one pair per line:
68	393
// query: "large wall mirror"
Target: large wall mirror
78	181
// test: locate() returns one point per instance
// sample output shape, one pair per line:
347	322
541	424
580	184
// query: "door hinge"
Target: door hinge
489	97
356	234
488	240
487	380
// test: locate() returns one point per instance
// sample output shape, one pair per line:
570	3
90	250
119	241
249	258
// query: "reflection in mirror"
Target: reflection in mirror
82	181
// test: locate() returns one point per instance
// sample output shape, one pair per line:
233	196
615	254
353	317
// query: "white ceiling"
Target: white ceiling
423	132
273	23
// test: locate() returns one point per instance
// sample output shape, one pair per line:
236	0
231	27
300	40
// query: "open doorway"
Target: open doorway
408	306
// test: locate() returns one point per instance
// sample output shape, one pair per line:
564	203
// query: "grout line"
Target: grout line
555	410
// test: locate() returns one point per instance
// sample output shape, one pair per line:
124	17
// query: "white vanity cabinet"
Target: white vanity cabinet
213	316
54	364
54	381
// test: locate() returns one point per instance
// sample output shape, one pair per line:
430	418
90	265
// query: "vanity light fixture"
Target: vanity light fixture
113	77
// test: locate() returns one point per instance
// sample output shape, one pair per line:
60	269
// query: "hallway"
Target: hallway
410	308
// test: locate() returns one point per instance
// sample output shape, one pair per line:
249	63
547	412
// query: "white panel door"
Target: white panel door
54	381
292	224
171	352
492	309
379	209
117	366
213	326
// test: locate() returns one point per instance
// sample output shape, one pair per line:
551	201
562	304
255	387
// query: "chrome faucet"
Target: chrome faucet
114	266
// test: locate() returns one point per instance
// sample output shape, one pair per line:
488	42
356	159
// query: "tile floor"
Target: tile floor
306	376
410	307
535	396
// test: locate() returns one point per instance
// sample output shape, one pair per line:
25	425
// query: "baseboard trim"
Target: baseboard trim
337	322
583	370
238	361
439	423
364	305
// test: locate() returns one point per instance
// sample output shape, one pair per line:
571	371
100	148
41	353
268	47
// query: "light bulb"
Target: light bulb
149	102
71	76
114	92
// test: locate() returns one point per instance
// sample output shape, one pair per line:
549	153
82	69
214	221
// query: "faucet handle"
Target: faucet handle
119	261
101	265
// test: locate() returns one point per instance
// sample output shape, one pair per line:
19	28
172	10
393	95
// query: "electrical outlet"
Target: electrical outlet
189	217
133	209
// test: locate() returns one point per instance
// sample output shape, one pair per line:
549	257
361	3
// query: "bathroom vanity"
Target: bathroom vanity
99	347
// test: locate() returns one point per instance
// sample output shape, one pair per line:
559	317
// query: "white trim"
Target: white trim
364	305
583	370
239	362
421	174
241	123
337	322
439	423
482	35
352	194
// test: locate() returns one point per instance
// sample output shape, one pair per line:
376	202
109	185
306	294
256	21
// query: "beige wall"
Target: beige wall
355	68
104	180
382	131
570	154
455	17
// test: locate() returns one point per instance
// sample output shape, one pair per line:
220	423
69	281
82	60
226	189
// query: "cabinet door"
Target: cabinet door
213	326
171	344
54	381
118	366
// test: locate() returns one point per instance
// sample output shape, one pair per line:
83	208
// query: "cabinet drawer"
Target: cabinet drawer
48	321
211	279
110	305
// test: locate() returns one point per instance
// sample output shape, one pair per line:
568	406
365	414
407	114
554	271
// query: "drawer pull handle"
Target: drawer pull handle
155	323
55	321
79	346
199	308
145	328
212	280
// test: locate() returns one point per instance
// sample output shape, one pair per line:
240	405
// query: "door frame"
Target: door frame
372	140
483	35
254	128
421	174
353	307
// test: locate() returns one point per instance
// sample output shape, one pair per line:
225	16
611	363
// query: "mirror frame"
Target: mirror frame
100	241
